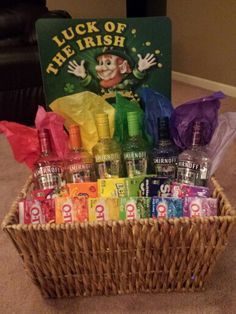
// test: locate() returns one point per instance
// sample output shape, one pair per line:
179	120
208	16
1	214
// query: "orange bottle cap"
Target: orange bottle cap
74	135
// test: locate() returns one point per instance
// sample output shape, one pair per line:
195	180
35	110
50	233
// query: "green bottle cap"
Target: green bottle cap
133	123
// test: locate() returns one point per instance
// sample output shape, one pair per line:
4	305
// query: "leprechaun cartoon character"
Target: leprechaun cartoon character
114	70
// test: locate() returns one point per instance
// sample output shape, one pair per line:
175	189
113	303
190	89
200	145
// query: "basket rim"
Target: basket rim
7	225
111	223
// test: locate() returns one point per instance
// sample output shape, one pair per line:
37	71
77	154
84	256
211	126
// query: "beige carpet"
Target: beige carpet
19	295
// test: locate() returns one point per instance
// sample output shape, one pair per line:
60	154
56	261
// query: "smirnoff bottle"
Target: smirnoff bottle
193	165
48	171
165	154
107	152
79	165
135	150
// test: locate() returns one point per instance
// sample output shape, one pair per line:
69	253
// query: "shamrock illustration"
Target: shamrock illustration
69	88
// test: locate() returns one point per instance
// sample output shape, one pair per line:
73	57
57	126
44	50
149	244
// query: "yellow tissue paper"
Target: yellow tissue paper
80	109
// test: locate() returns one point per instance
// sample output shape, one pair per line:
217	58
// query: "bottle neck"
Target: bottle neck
196	137
76	149
75	141
164	142
163	130
133	126
45	144
103	131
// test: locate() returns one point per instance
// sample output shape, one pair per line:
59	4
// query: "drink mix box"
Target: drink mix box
88	189
146	185
184	190
103	208
39	208
200	206
71	209
134	185
167	207
30	211
156	186
114	187
135	207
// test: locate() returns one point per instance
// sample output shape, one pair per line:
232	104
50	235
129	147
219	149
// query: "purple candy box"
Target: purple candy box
200	206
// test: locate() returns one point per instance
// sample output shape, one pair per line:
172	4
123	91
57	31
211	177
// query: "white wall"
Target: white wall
204	38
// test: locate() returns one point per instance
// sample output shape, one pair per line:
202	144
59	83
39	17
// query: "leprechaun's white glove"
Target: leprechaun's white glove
147	62
77	69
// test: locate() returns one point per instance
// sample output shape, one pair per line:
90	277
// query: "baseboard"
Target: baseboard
203	83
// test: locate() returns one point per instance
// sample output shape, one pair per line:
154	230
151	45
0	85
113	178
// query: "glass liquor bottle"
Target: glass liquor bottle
48	171
165	154
193	165
107	152
135	150
79	165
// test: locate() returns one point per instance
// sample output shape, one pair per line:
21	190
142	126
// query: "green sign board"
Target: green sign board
104	56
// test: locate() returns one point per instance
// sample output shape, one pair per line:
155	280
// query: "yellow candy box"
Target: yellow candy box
114	187
103	209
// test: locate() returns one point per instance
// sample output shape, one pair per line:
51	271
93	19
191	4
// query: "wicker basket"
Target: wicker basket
147	255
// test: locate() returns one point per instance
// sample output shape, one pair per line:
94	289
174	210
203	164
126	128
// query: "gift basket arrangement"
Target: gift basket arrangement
122	196
127	217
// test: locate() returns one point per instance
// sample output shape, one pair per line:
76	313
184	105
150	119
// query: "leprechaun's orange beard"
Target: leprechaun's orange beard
108	70
111	82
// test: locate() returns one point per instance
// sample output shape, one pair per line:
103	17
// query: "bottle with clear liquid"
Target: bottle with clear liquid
48	171
135	150
165	153
107	152
193	164
79	164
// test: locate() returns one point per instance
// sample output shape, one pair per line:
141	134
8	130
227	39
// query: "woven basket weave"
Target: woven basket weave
147	255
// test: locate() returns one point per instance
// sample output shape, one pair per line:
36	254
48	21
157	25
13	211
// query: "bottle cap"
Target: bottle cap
102	118
163	128
163	122
133	123
74	128
197	125
197	130
43	133
44	140
74	135
103	125
132	115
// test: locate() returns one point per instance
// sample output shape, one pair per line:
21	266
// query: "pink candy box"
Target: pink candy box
36	211
182	190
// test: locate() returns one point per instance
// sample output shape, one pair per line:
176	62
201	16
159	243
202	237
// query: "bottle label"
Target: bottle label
165	166
79	172
108	166
136	163
107	157
189	164
187	172
49	177
48	170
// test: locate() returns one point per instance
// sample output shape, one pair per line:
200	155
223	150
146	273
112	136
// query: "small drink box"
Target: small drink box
114	257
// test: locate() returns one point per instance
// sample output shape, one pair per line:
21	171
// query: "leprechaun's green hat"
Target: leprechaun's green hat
116	52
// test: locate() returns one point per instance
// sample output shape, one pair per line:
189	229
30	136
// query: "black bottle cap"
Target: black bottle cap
163	128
